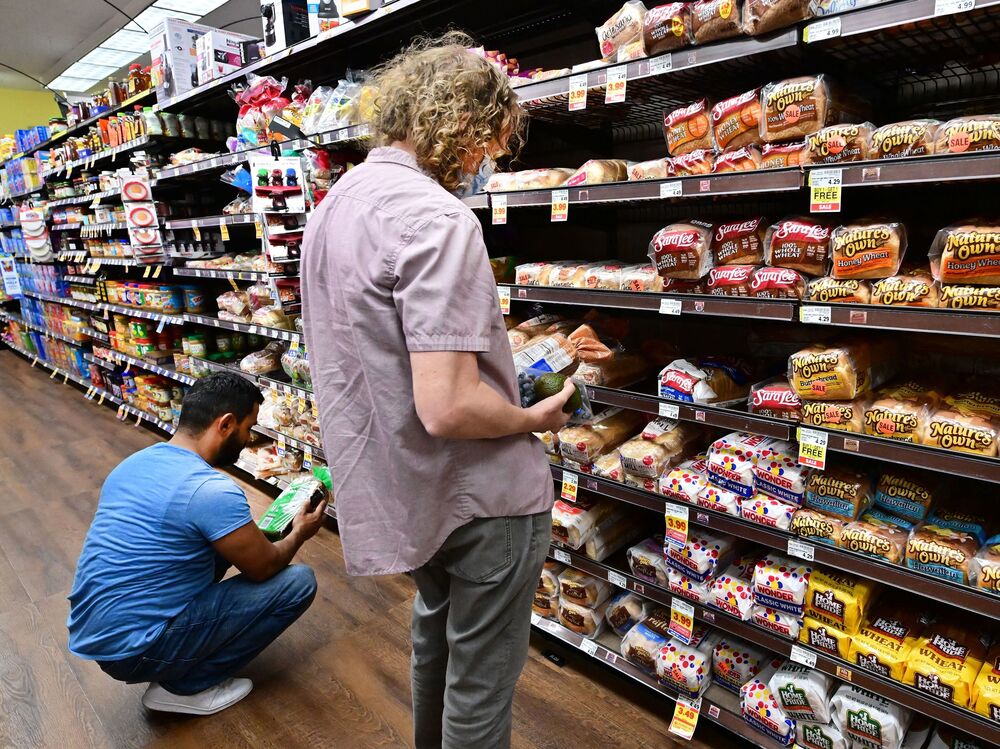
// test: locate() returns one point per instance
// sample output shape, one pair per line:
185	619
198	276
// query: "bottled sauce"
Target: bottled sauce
135	80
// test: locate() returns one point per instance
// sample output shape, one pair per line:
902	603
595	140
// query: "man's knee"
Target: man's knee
299	585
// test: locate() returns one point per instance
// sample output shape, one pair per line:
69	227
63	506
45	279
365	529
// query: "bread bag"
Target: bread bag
967	433
764	16
840	491
736	121
548	581
583	589
966	520
824	637
796	107
712	20
777	473
869	720
985	572
875	538
846	416
838	373
885	640
610	428
623	27
646	561
731	460
780	623
946	660
689	588
914	289
839	599
803	693
682	251
665	28
838	144
597	171
967	254
816	526
969	135
622	369
985	693
898	416
730	280
735	662
698	161
777	283
941	552
688	129
828	289
904	493
970	297
767	511
688	668
743	159
800	244
541	179
739	242
625	610
781	155
654	169
816	736
867	250
641	278
716	498
703	556
780	583
733	594
588	622
573	523
775	399
546	605
521	334
704	380
902	140
687	481
609	466
642	643
606	275
611	536
761	710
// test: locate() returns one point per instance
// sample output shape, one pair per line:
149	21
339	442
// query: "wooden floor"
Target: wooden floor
339	677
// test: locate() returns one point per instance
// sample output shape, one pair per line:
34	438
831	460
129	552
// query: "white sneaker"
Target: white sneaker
208	702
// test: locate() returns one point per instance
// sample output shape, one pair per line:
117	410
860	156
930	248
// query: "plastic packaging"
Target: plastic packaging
764	16
902	140
838	144
967	253
736	121
623	27
698	161
655	169
777	283
797	107
969	135
740	242
682	251
688	129
781	155
704	380
828	289
838	373
775	399
915	289
665	28
597	171
798	243
730	280
745	159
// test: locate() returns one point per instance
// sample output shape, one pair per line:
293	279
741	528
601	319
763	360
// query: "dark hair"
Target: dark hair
214	396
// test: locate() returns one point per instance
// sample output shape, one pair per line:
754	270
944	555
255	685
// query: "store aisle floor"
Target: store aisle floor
337	678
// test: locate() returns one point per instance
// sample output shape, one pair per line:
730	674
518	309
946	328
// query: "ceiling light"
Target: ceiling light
130	41
88	70
196	7
68	83
148	19
113	57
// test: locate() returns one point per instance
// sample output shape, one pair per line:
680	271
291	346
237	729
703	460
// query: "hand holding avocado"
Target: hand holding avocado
551	413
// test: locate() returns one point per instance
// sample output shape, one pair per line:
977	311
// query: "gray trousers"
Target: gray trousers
471	623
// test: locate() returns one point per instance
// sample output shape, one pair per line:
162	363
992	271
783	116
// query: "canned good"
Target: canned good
223	343
196	345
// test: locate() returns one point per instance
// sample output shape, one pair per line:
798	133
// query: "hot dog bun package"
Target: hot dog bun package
687	481
946	660
829	289
798	107
665	28
846	416
867	250
839	599
541	179
967	253
583	589
803	693
574	523
837	373
612	535
641	278
969	134
647	563
868	720
688	129
704	380
761	709
884	642
740	242
682	251
775	399
687	667
610	428
703	556
800	244
736	121
642	643
712	20
588	622
654	169
731	460
902	140
780	584
942	552
818	526
625	610
623	27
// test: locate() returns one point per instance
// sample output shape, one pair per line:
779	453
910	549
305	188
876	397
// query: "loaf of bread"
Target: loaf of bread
797	107
688	129
775	399
967	254
603	276
502	182
712	20
697	162
902	140
763	16
730	280
840	491
588	622
876	539
868	249
583	589
941	552
682	251
781	155
777	283
597	171
837	373
845	416
665	28
548	581
745	159
623	27
704	380
898	418
642	643
541	179
740	242
609	429
655	169
966	433
736	121
817	526
641	278
946	660
916	289
905	493
969	135
798	243
970	297
837	144
625	610
829	289
986	566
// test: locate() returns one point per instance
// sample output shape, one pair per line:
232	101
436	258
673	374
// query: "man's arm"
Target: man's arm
453	402
259	559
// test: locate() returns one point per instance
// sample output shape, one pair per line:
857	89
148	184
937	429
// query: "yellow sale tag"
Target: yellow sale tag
145	273
681	620
294	346
101	401
302	405
232	282
156	272
138	418
54	373
812	448
617	78
685	719
560	205
570	484
315	410
258	230
578	92
197	233
224	229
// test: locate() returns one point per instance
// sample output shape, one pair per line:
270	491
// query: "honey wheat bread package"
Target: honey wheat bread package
967	253
688	129
797	107
867	249
969	135
736	121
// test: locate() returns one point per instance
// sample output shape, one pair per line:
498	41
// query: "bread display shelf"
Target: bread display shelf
236	275
889	15
41	329
731	306
89	280
901	694
291	441
914	171
89	198
906	319
172	374
240	327
283	386
893	575
717	705
109	153
233	219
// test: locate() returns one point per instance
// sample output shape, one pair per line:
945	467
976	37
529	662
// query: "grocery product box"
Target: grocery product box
173	53
218	54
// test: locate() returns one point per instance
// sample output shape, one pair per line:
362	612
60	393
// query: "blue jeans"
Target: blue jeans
220	631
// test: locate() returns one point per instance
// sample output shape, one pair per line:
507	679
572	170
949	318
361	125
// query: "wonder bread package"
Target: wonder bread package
686	481
946	660
689	588
733	593
735	662
688	667
868	720
839	599
780	583
703	556
642	643
781	623
731	460
803	693
761	709
885	640
777	473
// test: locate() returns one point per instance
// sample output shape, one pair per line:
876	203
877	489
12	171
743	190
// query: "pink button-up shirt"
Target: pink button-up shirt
392	263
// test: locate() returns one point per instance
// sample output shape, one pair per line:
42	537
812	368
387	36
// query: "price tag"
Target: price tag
578	92
801	550
54	373
560	205
90	393
196	230
503	292
570	484
156	271
824	190
561	556
617	77
499	204
802	656
224	229
281	446
65	377
138	417
302	405
34	361
676	517
101	401
618	579
258	230
232	282
815	314
670	306
145	273
812	448
671	189
681	620
95	202
588	646
948	7
307	459
661	64
685	719
535	619
294	346
828	28
315	410
669	411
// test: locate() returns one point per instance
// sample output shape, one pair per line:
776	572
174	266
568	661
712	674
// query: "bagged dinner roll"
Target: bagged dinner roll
610	428
846	416
906	493
642	643
655	169
829	289
548	582
818	526
941	552
625	610
965	433
874	537
597	171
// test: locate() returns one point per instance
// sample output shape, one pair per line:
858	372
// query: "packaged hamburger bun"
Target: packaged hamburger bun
967	254
541	179
625	610
665	28
764	16
798	243
583	589
730	280
967	433
712	20
845	416
797	107
574	523
837	373
688	129
623	27
775	399
698	161
969	135
610	428
548	581
898	414
736	121
970	297
816	526
914	289
831	290
838	144
902	140
781	155
743	159
682	251
867	249
777	283
941	552
985	572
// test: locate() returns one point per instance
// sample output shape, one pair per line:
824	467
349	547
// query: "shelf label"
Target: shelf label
499	205
948	7
824	190
503	293
673	189
138	417
156	271
145	273
681	620
578	92
588	646
560	205
815	314
802	656
670	306
661	64
535	619
196	230
812	448
801	550
676	517
561	556
281	446
224	229
570	483
258	230
101	401
617	78
669	411
828	28
307	459
685	719
618	579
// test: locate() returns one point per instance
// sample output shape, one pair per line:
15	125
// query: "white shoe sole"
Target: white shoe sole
165	706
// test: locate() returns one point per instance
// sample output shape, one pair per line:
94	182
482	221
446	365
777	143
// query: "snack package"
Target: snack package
588	622
610	428
764	16
761	710
780	583
541	179
902	140
884	642
869	250
970	297
574	523
687	667
733	594
646	561
546	605
641	278
803	693
941	552
687	481
915	289
781	155
846	416
744	159
985	572
816	736
583	589
698	161
686	587
800	244
682	251
675	436
797	107
655	169
597	171
838	144
642	643
828	289
775	399
837	373
623	27
969	135
665	28
704	380
311	490
839	599
625	610
777	473
712	20
828	639
777	283
730	280
965	433
868	720
688	129
739	242
736	121
703	556
839	491
907	494
767	511
946	660
967	254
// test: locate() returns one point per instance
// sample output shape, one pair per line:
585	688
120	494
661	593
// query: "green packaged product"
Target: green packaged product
277	521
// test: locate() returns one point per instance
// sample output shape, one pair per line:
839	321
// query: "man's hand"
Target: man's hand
547	415
307	524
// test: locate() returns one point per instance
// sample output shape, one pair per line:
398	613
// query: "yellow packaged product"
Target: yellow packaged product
986	689
839	599
824	637
946	661
884	643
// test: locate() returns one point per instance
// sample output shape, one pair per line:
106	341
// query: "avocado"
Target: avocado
550	384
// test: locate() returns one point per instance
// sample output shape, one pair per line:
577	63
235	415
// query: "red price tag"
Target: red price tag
676	533
570	484
685	719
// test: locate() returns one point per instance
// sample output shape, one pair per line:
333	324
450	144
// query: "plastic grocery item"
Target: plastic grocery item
688	129
682	251
623	27
967	253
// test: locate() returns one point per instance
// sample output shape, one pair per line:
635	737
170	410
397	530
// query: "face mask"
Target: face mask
486	169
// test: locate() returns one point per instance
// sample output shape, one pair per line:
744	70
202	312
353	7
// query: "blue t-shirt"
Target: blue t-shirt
148	553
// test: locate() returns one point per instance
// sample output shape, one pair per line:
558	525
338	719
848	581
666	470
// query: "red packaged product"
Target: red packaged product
736	121
696	162
800	244
746	159
781	156
775	399
777	283
730	280
682	250
688	129
740	242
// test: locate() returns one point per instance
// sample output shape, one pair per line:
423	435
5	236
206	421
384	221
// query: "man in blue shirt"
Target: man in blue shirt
147	603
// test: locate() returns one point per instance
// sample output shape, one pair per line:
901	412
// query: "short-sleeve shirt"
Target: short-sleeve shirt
392	263
149	551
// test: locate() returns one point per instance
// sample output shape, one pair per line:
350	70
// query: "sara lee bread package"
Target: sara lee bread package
797	107
969	134
800	244
760	708
816	525
764	16
730	280
902	140
942	552
740	242
642	643
838	144
837	373
699	161
884	642
781	155
868	720
967	254
688	667
803	693
623	27
646	561
682	251
625	610
609	429
688	128
735	662
596	171
655	169
867	250
829	289
846	416
775	399
777	283
665	28
704	380
736	121
744	159
712	20
914	289
946	660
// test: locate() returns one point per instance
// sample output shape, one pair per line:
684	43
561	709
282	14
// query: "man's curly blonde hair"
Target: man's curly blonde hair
446	102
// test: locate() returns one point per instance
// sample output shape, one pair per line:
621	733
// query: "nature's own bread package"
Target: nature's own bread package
967	253
803	693
817	526
838	144
970	297
986	566
846	416
942	552
904	139
682	251
869	720
828	289
867	250
665	28
875	537
798	243
906	493
797	107
712	20
623	27
969	134
916	288
688	129
837	373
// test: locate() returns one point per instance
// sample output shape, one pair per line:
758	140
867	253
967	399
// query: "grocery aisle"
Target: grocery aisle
339	677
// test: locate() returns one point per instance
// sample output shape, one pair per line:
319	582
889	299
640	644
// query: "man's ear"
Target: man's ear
227	423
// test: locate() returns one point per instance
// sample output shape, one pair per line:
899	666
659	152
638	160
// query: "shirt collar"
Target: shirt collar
390	155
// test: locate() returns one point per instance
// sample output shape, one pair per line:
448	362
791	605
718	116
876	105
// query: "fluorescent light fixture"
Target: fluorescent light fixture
153	15
67	83
103	56
195	7
129	41
87	70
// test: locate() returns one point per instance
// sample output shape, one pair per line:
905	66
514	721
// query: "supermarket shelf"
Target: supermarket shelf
927	169
333	137
91	230
108	153
90	280
290	441
909	697
41	329
210	221
172	374
478	202
236	275
897	576
910	319
281	335
867	20
125	262
695	304
711	708
283	386
223	161
96	335
104	306
59	371
62	300
32	191
90	198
